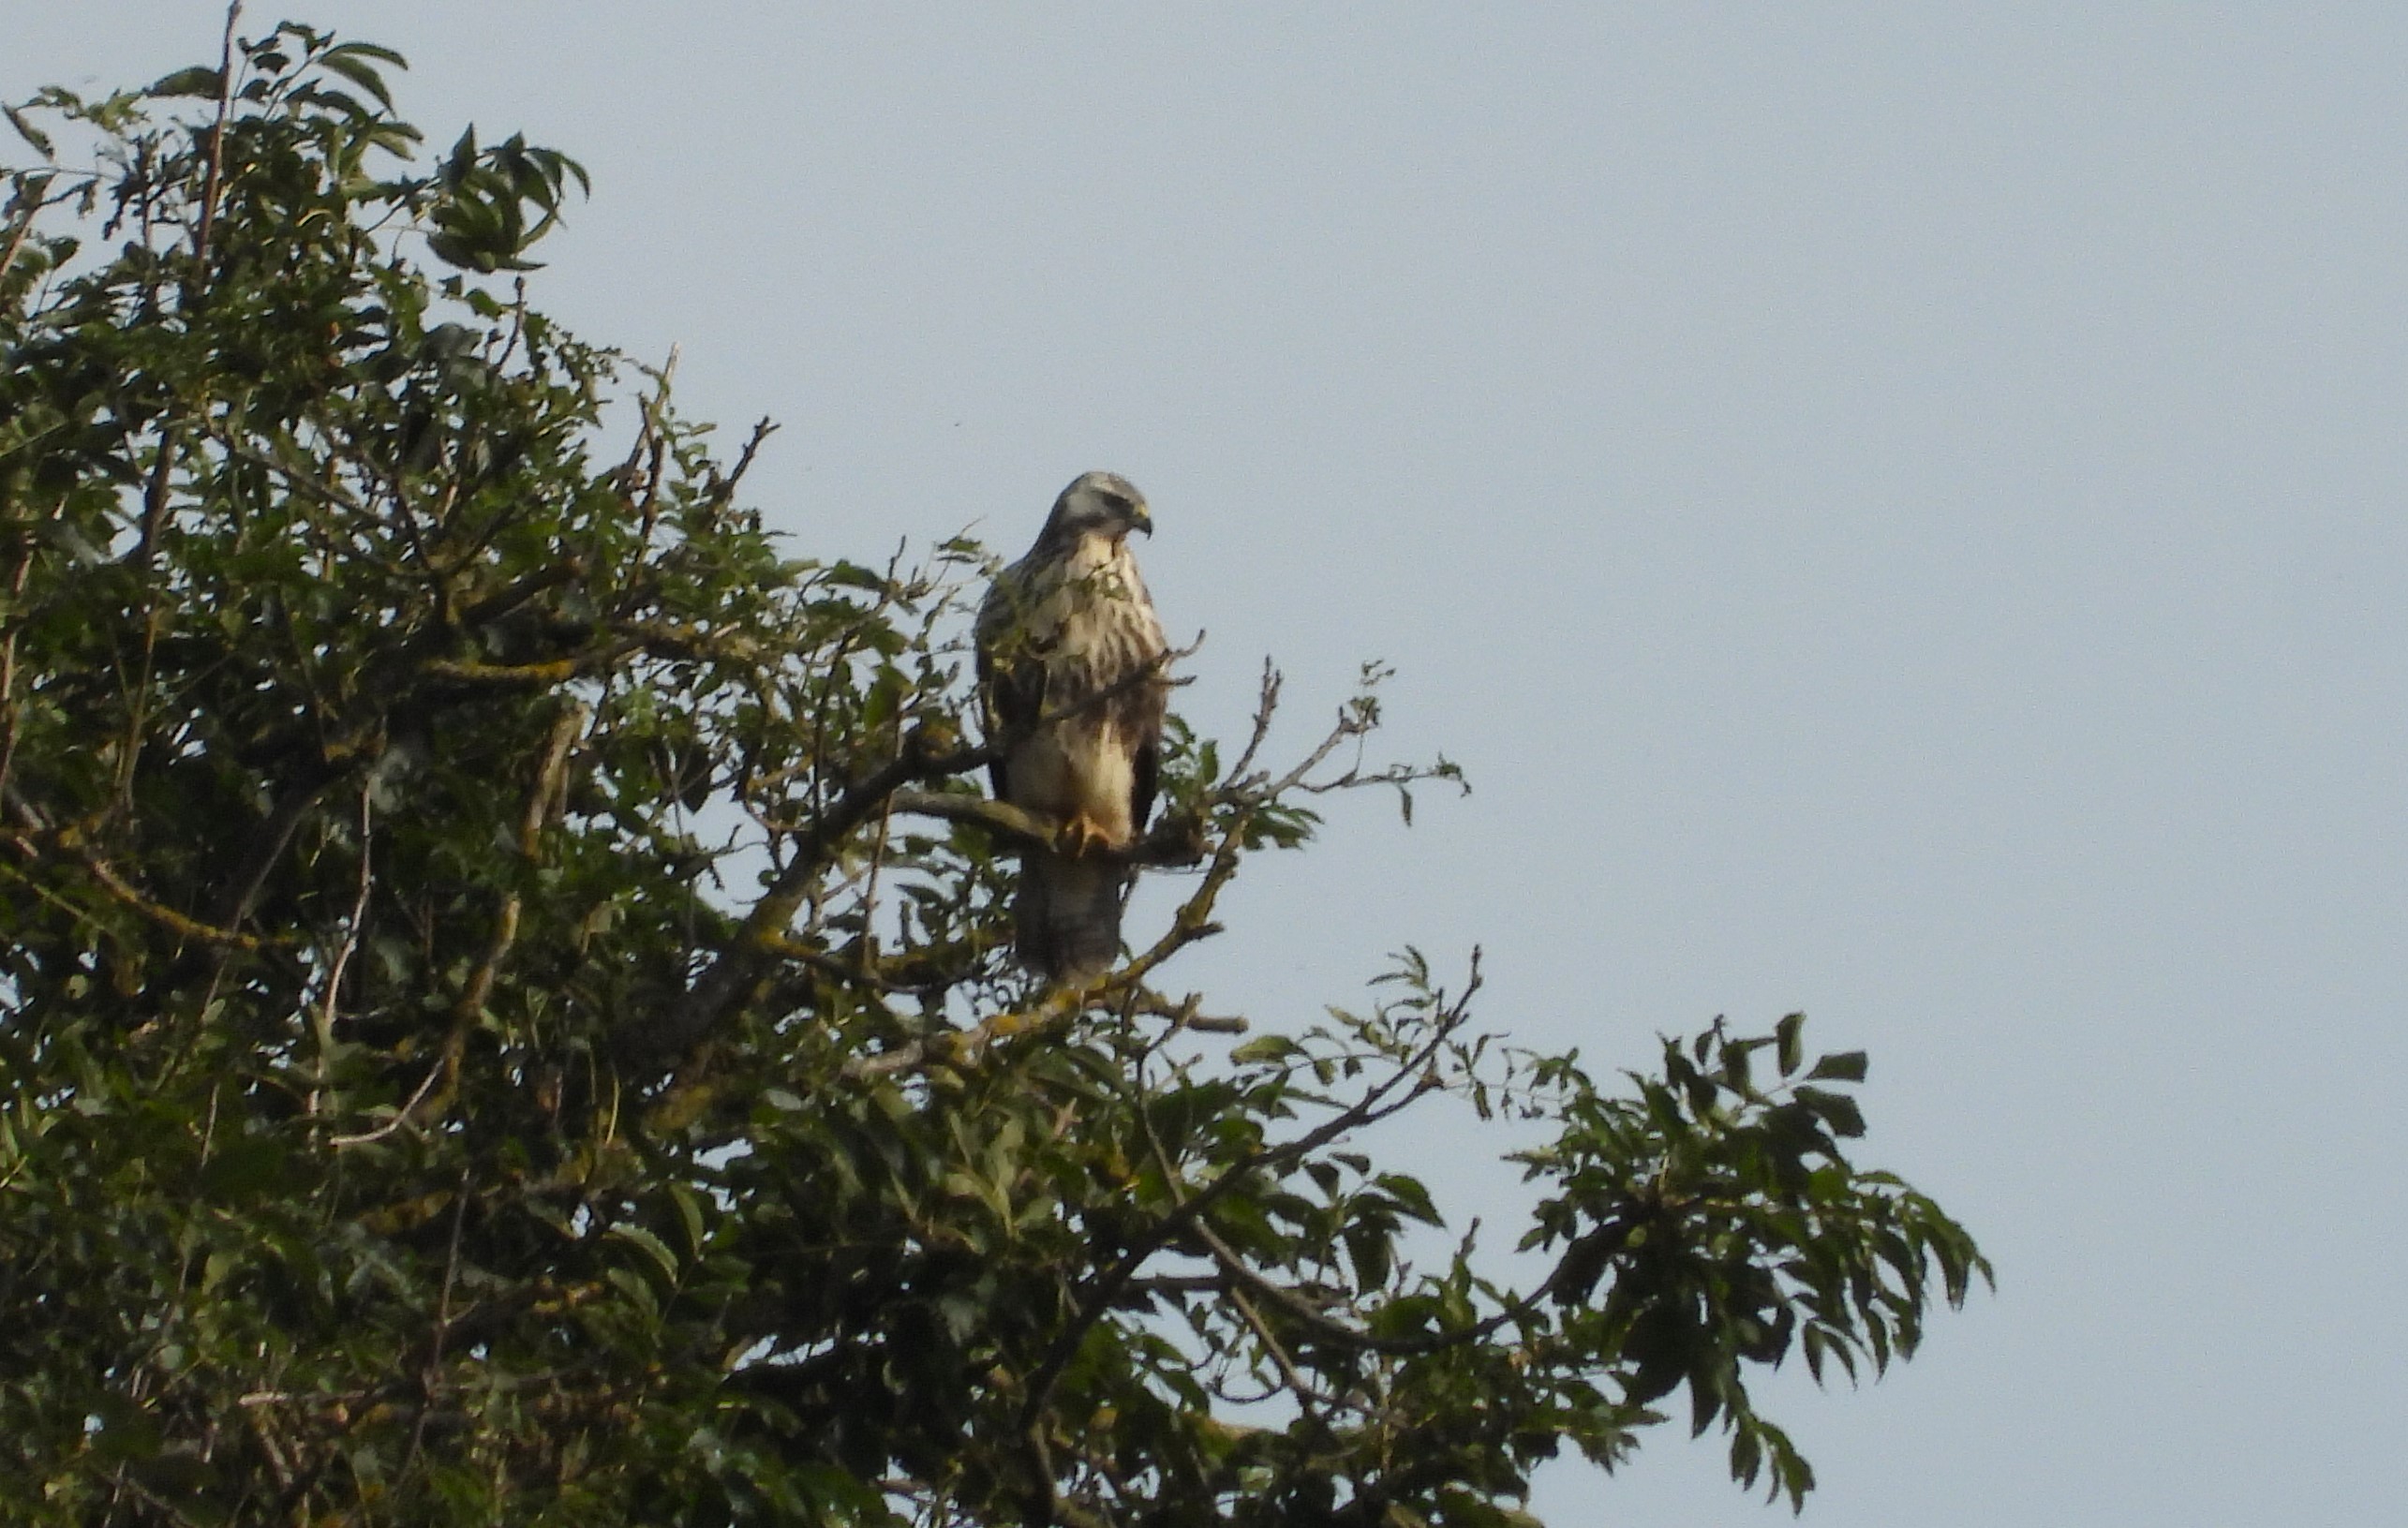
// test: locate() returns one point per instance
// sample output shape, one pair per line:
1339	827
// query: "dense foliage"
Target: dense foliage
506	1015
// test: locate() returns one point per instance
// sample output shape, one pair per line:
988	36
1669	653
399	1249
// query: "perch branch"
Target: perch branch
1174	841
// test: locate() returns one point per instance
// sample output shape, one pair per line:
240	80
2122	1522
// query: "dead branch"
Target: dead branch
214	180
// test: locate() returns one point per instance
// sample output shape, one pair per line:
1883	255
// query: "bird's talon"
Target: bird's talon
1081	837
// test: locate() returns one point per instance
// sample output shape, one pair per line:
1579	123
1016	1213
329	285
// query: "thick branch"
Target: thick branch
73	841
1174	841
557	671
494	606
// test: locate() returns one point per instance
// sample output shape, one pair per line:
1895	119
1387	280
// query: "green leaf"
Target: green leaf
352	64
1845	1067
690	1215
1263	1047
461	162
31	134
200	81
651	1246
1411	1197
1371	1254
1837	1110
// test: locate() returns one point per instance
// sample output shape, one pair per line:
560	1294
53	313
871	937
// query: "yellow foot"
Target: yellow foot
1081	837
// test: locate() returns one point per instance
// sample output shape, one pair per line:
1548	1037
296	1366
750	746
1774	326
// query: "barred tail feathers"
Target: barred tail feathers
1068	915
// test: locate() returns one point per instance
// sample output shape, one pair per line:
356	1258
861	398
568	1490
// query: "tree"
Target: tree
506	1018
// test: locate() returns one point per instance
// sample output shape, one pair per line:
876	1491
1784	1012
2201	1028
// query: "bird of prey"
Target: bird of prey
1070	671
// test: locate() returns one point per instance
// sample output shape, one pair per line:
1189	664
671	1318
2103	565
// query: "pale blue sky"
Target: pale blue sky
1899	508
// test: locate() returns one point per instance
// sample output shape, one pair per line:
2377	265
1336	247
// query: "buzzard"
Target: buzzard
1069	667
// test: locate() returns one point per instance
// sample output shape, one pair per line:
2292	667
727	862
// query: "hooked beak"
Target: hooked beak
1140	520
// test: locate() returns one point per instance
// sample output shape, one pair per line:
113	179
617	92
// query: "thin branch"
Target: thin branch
400	1117
1183	1015
478	990
171	443
1104	1288
648	513
9	709
1180	1283
744	958
427	1375
342	962
1322	1325
1309	1398
155	497
1264	709
868	946
724	488
502	602
214	181
267	843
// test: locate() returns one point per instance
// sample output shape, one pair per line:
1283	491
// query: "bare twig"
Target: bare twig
214	180
400	1116
724	488
1183	1015
1265	708
430	1375
326	1010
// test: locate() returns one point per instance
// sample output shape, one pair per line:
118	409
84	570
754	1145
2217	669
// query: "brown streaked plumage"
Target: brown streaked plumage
1060	627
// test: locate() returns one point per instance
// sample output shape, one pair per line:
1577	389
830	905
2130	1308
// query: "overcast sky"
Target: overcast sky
1899	508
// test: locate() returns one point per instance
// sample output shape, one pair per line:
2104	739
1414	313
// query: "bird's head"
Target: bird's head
1098	504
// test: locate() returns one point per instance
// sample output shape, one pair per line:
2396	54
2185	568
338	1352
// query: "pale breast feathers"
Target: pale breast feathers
1055	631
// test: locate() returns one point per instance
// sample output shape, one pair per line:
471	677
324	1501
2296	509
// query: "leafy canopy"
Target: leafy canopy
506	1017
